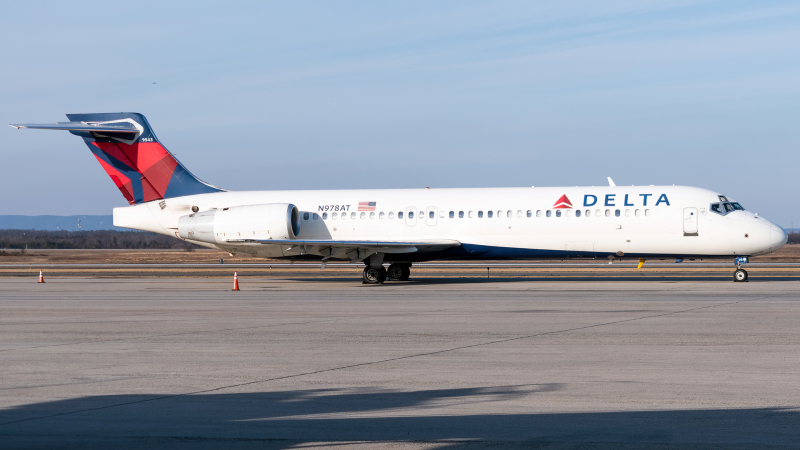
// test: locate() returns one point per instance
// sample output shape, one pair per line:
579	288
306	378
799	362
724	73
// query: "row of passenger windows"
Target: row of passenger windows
489	214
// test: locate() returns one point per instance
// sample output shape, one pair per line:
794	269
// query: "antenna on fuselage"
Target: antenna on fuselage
611	182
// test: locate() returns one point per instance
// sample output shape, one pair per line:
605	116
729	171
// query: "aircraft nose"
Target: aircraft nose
777	237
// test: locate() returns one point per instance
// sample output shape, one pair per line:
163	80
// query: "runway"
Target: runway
434	363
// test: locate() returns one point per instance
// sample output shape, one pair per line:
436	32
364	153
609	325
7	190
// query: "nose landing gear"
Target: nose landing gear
740	275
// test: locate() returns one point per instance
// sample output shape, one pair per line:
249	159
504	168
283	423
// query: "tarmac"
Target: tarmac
436	362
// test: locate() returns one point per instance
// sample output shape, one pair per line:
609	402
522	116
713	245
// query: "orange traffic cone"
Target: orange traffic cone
235	281
41	276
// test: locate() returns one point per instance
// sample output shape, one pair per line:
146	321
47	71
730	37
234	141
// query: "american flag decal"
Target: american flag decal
367	206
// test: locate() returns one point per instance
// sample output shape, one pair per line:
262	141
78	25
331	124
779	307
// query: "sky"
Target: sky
338	95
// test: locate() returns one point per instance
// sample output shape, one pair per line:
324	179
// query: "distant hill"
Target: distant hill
85	239
55	223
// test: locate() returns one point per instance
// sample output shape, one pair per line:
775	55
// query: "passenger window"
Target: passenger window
577	213
616	213
608	213
480	214
461	214
315	216
637	213
737	207
469	214
344	215
400	215
588	213
509	214
411	214
539	213
381	215
441	214
372	215
452	214
627	213
597	213
728	207
568	213
353	215
305	216
519	214
324	216
647	213
363	215
489	214
391	214
333	216
558	213
430	214
548	213
529	214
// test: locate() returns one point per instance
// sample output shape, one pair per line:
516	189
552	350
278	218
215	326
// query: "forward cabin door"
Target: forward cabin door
690	221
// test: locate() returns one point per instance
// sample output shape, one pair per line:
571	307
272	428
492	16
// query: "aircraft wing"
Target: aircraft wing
354	250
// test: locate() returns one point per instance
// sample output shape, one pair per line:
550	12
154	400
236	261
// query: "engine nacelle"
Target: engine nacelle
268	221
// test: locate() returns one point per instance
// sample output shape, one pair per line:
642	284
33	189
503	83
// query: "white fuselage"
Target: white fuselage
636	221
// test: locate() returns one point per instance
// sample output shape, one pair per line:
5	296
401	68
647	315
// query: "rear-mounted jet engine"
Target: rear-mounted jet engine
268	221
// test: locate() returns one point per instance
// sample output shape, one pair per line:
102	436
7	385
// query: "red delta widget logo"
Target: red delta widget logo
611	200
562	202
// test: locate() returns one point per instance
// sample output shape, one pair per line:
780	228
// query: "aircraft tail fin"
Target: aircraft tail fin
125	145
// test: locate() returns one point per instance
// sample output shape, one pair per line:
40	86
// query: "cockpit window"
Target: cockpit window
722	198
725	207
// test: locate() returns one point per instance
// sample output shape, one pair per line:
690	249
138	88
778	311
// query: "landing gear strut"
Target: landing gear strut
399	272
740	275
373	275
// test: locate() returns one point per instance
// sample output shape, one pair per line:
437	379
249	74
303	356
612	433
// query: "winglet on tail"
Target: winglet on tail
126	147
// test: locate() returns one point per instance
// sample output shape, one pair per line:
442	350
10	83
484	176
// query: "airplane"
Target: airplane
401	226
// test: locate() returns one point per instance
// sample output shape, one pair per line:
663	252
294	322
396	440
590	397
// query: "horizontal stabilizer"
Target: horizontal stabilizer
119	127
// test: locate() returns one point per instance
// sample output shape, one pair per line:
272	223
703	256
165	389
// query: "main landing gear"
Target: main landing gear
399	272
373	275
379	274
740	275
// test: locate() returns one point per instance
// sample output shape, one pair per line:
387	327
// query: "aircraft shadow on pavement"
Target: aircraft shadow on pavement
284	419
566	279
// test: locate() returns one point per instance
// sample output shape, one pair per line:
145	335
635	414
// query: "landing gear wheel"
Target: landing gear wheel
373	275
740	275
398	273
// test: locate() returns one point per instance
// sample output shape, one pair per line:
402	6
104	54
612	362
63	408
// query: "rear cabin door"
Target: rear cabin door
690	221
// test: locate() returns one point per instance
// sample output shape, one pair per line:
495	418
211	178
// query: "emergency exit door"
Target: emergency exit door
690	221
